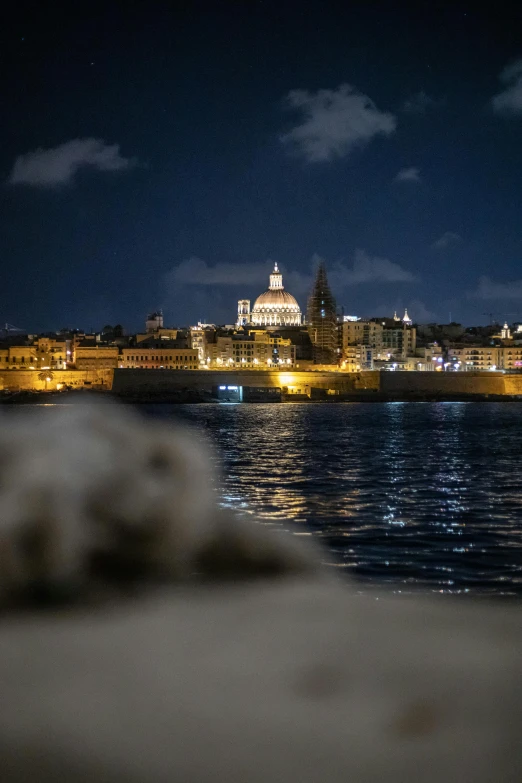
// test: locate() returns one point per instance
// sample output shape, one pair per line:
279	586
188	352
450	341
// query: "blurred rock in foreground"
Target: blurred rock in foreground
287	681
130	668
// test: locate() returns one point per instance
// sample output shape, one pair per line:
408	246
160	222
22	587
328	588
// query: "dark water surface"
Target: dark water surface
412	494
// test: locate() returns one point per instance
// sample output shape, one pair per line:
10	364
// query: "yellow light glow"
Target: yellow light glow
286	379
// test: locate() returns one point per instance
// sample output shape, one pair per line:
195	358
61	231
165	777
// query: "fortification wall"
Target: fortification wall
158	381
412	383
395	384
513	384
28	380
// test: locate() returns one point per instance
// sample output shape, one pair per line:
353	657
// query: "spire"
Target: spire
406	319
395	316
322	319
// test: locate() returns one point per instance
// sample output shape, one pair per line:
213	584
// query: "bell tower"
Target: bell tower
243	312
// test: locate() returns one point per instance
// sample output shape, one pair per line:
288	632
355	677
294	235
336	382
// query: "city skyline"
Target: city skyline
147	163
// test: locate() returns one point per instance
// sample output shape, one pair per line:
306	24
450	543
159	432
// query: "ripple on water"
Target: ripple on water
408	494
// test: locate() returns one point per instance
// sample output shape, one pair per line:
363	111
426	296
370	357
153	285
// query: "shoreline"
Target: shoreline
195	398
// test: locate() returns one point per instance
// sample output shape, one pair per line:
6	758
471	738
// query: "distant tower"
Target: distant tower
154	321
506	332
406	318
322	319
396	317
243	312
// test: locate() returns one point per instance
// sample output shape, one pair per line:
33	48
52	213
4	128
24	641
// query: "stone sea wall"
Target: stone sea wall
33	380
450	383
374	384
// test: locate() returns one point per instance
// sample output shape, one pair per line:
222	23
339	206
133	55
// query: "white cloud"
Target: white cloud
58	165
253	278
411	174
333	122
419	313
447	239
368	269
509	101
418	103
489	289
196	272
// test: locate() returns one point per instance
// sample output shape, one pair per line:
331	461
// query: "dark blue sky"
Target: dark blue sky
162	155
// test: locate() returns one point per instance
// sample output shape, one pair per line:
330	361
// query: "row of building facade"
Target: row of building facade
274	334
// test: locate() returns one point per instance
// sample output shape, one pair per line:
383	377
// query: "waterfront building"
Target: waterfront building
511	357
399	339
474	357
360	332
88	357
165	358
322	319
257	350
428	357
42	354
274	307
19	357
388	338
357	357
200	336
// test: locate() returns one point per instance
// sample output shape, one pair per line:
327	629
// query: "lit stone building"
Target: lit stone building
51	352
275	307
200	336
488	357
385	338
44	354
475	357
357	357
19	357
511	357
159	358
255	351
360	332
400	341
88	357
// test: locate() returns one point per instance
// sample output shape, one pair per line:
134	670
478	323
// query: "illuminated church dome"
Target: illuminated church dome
276	307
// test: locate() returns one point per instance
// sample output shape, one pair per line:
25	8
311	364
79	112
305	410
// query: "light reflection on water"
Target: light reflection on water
411	494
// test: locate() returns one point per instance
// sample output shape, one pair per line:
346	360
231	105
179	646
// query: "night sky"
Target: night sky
165	154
